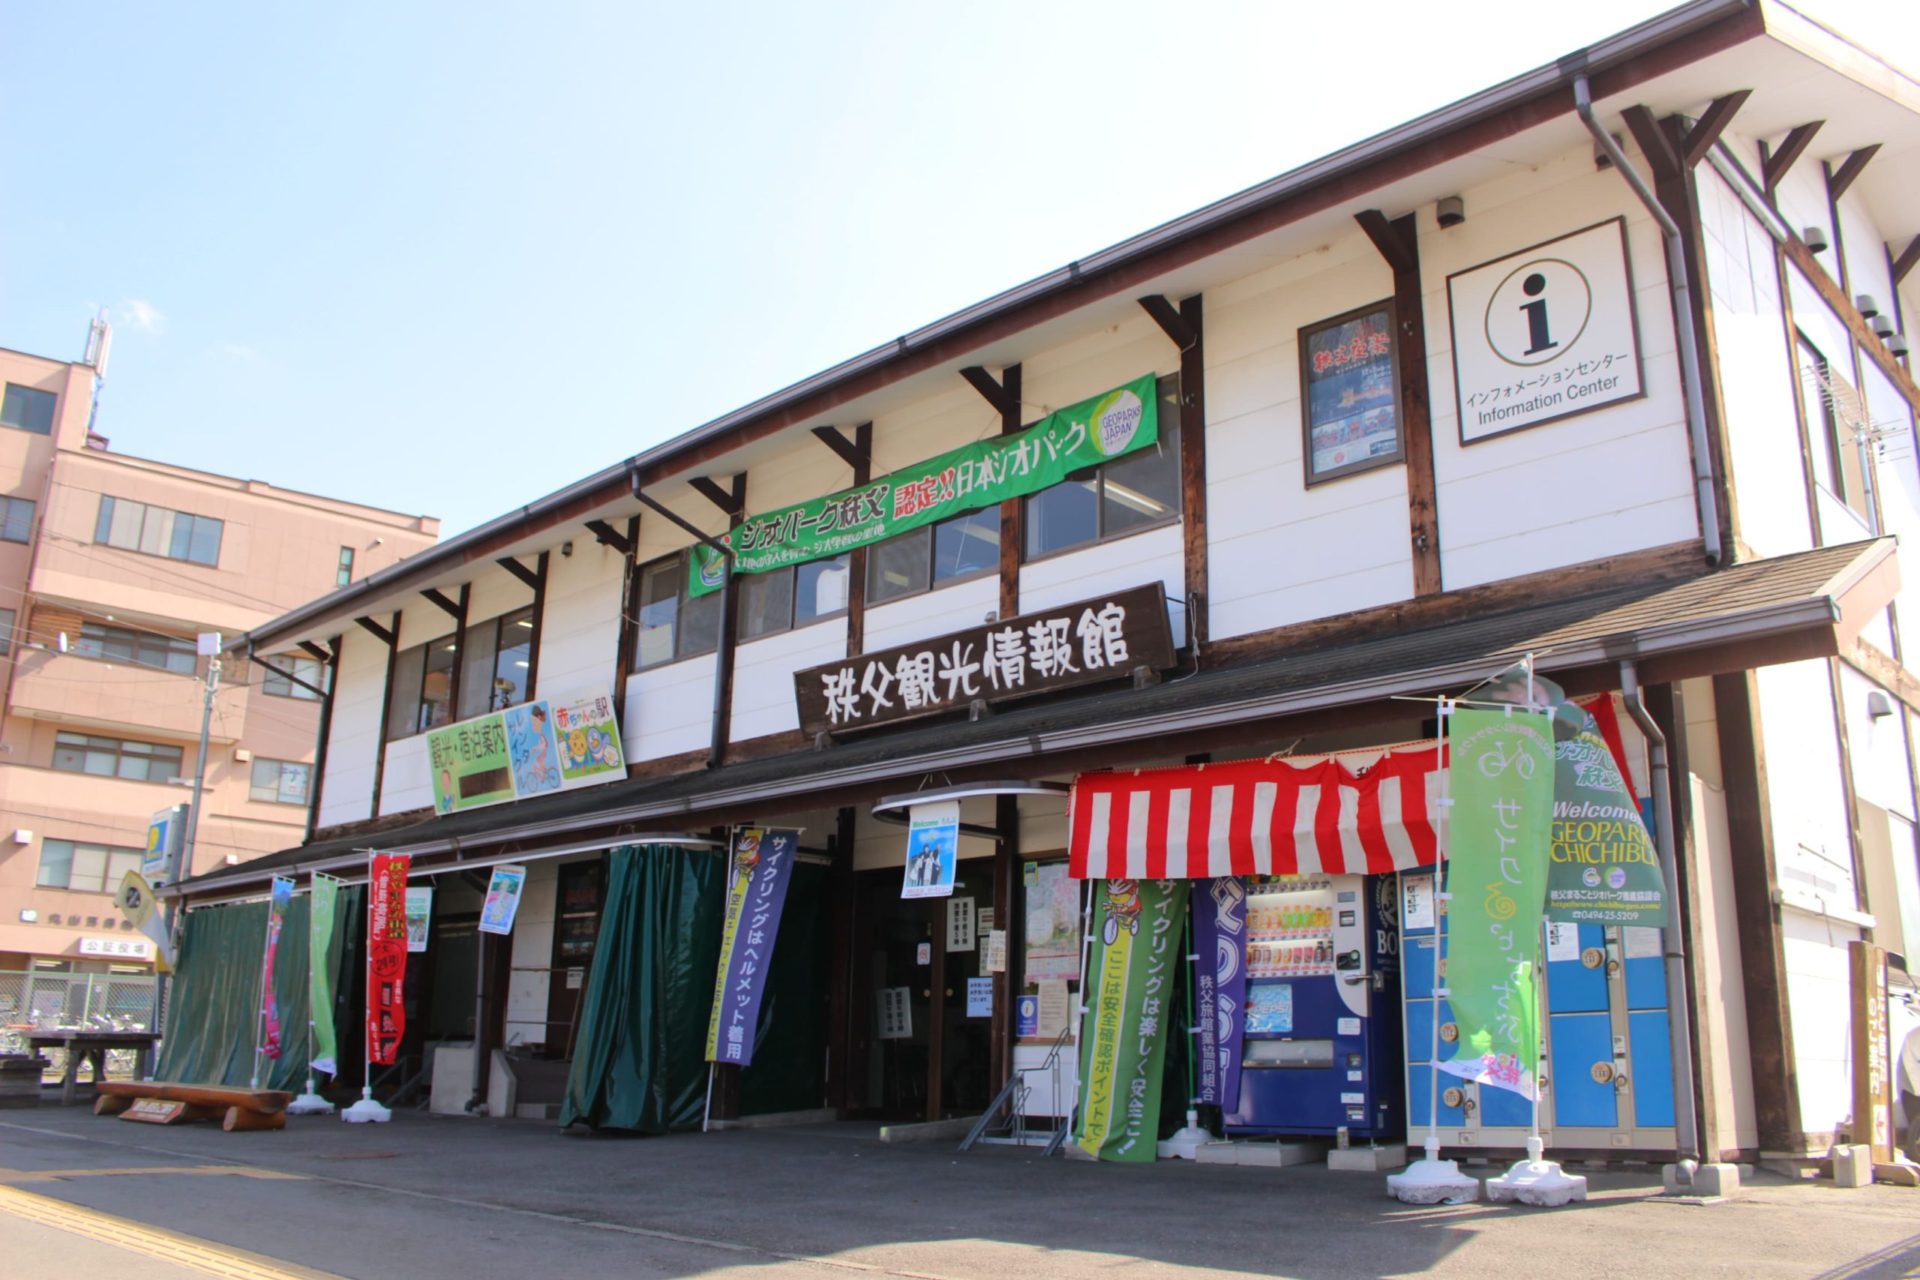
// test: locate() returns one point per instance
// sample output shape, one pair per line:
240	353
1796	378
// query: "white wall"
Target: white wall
932	613
669	709
763	699
1157	555
353	747
1597	484
1818	1001
528	982
1813	849
581	630
409	782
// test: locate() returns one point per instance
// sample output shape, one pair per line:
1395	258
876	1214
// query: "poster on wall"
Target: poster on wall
933	844
419	917
762	865
504	888
1544	333
1351	393
1053	923
539	747
960	924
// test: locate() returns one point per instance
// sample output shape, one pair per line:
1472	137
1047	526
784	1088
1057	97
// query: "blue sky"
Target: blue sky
448	258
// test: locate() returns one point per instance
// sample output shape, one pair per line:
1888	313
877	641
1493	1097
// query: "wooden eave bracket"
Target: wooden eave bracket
992	390
530	577
850	452
606	535
674	518
1394	240
1671	157
1774	165
1168	317
730	501
383	634
452	609
1838	180
319	652
1905	261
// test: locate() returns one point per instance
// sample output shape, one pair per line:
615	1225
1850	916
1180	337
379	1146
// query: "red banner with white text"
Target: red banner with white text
386	956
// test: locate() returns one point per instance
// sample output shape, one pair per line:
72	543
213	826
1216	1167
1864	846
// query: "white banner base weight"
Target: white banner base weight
1433	1181
309	1104
1537	1182
1185	1144
366	1111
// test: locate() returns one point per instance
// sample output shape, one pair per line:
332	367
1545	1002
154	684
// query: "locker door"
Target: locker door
1583	1090
1416	992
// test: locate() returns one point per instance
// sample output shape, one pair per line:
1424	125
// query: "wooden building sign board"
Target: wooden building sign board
1087	642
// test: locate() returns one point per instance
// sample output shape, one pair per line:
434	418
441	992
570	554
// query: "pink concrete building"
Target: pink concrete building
110	566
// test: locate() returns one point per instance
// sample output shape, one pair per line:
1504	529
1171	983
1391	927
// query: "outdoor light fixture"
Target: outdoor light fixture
1883	325
1451	211
1879	706
1869	305
1897	344
1815	238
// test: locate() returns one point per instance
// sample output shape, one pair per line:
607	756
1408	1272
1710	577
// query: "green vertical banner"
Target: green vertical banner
326	902
1123	1049
1501	773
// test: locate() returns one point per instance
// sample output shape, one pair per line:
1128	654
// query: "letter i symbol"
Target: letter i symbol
1537	336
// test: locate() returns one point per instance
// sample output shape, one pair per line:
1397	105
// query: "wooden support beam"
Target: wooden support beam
684	525
443	604
279	670
1774	165
1712	123
379	633
1864	338
1013	512
857	561
1193	470
994	390
528	577
848	451
1904	263
1168	317
606	535
728	500
1838	180
321	652
1400	250
1661	156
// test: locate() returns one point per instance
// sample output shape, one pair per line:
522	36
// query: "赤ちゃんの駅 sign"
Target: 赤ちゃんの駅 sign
1103	638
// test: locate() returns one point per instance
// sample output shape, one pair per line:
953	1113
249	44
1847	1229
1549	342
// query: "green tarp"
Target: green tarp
215	1004
640	1060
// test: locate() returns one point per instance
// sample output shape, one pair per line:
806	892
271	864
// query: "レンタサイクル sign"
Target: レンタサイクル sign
970	478
1544	333
1090	640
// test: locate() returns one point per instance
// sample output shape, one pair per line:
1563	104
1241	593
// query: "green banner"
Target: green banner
1500	766
326	901
1123	1049
470	764
969	478
1604	867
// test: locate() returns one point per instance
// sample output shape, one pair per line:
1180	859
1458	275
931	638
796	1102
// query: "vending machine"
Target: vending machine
1320	1036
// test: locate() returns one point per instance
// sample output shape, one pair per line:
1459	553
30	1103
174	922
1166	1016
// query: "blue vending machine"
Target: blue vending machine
1320	1037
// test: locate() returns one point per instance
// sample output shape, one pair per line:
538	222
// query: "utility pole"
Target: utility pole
181	865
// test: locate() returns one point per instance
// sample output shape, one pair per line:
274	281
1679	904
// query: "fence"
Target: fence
46	1001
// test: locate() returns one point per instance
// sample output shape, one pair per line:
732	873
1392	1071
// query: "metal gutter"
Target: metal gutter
609	484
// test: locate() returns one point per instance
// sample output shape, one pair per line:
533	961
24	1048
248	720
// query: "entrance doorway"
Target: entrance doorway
923	1056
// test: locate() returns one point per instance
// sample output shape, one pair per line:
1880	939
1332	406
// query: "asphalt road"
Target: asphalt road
425	1198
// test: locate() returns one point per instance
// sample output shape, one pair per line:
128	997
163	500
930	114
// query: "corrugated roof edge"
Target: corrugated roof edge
1634	42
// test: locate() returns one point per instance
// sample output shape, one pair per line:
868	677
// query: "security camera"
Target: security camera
1451	211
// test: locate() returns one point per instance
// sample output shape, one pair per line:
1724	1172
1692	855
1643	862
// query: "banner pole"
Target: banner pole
260	1004
706	1113
367	1110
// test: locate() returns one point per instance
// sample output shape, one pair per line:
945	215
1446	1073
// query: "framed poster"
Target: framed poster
1350	393
1544	333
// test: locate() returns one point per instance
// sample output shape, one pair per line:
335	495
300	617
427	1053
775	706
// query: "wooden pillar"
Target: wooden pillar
629	620
1763	971
1013	512
841	1058
857	562
1398	241
329	677
390	636
1006	862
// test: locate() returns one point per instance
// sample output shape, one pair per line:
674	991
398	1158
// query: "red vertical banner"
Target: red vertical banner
386	956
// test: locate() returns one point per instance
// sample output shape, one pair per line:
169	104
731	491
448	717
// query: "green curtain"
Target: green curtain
788	1072
215	1004
639	1062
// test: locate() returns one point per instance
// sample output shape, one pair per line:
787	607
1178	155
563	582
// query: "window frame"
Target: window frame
1102	537
8	503
90	743
104	521
107	632
52	401
410	696
485	638
676	562
317	676
343	569
279	797
9	619
793	621
1820	422
130	859
930	581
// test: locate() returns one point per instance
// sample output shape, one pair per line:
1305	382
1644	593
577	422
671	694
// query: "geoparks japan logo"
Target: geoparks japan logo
1538	312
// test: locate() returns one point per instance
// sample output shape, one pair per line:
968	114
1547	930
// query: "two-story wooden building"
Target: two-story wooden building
1603	364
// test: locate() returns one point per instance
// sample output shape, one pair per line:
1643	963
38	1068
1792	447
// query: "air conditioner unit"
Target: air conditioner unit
242	755
22	836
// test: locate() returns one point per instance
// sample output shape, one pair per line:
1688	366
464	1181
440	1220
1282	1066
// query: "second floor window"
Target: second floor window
158	531
27	409
8	618
344	574
16	519
791	597
145	648
115	757
952	551
673	625
422	688
279	781
282	665
495	668
1128	495
89	868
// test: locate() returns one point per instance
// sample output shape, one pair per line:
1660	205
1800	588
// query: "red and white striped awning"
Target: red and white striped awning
1329	815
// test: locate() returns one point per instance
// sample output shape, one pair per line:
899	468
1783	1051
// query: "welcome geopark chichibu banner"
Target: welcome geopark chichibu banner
1501	767
386	956
1136	964
970	478
1603	867
762	867
324	904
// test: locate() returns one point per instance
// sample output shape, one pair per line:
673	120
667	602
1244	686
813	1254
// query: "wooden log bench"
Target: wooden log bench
238	1110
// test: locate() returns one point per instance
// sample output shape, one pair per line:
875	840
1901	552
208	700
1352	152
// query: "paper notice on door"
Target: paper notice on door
994	955
1416	902
1054	1007
1563	941
1640	942
979	997
960	924
984	919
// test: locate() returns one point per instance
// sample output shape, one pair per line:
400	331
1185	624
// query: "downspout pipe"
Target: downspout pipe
1690	378
1679	1014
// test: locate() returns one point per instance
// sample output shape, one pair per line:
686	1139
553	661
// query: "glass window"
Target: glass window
1827	395
344	574
672	625
115	757
1136	492
964	547
26	409
156	531
146	648
403	701
7	620
279	781
436	685
897	567
90	868
16	519
282	665
820	589
766	603
494	670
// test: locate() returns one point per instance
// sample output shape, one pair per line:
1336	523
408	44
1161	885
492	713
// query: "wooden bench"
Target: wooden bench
238	1110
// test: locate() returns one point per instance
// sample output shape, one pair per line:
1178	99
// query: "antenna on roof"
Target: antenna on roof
99	345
